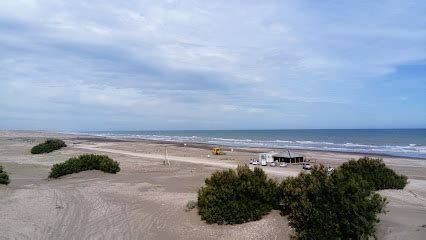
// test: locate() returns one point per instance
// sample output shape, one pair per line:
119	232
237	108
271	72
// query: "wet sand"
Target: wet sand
146	199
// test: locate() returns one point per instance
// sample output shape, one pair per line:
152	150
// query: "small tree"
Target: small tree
320	206
233	197
375	172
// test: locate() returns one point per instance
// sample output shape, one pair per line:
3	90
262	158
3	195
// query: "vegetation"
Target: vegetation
48	146
231	197
4	177
191	205
375	172
320	206
83	163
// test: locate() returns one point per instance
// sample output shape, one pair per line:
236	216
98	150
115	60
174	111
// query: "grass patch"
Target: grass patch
48	146
4	177
83	163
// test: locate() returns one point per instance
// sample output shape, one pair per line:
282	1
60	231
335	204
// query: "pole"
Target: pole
165	155
168	161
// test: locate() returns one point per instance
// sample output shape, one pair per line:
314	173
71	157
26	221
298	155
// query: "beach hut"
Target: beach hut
288	157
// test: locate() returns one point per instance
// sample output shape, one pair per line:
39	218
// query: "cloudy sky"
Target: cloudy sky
141	65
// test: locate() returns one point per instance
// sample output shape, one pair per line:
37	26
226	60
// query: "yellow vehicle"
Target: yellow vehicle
217	151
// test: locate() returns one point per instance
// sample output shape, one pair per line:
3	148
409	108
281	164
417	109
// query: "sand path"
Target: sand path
281	172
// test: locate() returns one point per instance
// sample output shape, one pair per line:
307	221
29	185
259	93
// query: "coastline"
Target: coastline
146	191
412	167
357	152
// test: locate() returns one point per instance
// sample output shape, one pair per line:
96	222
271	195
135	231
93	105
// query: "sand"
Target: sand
146	199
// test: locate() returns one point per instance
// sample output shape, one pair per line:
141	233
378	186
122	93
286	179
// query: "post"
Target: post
165	155
166	161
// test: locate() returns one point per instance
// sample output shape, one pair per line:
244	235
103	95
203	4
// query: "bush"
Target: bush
320	206
191	205
375	172
83	163
48	146
233	197
4	177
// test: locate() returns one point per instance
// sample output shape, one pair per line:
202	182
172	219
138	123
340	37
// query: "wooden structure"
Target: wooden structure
288	157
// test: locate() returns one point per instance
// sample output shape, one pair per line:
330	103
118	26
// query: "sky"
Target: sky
173	65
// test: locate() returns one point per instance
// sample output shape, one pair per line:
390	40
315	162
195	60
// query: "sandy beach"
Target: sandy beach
146	199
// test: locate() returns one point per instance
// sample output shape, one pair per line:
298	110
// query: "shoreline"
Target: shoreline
257	149
207	146
414	168
252	148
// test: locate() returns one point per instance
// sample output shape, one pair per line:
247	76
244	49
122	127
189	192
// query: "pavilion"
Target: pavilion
288	157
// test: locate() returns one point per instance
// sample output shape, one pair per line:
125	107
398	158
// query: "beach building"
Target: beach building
267	156
288	157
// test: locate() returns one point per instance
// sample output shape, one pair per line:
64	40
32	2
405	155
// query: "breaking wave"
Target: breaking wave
409	150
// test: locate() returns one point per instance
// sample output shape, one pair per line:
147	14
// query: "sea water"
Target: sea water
394	142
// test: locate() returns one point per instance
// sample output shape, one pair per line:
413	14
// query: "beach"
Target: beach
147	199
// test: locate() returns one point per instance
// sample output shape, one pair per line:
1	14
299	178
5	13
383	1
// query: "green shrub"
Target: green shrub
4	177
342	205
83	163
191	205
320	206
375	172
48	146
233	197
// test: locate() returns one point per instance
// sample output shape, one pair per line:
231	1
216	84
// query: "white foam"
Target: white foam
411	150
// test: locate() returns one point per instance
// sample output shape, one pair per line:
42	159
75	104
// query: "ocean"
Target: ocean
394	142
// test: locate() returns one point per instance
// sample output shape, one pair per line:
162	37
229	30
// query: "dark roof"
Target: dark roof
287	154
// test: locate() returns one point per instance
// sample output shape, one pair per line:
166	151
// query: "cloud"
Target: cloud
176	64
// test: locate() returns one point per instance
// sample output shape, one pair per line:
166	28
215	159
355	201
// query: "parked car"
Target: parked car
307	166
283	164
256	162
251	161
263	163
273	164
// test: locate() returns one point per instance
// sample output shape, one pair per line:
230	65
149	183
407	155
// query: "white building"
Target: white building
269	157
